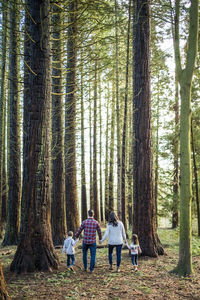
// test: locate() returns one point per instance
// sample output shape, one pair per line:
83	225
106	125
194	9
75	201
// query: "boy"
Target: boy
68	247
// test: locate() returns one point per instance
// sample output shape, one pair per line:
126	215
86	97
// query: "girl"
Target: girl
116	234
135	250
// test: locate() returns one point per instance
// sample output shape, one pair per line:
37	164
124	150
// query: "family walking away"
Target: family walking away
115	233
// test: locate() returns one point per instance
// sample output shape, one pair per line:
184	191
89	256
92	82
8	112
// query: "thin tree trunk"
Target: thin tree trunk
195	177
119	204
144	202
13	226
157	150
3	209
58	213
176	164
123	167
84	208
35	250
72	213
106	160
95	185
112	137
100	153
91	171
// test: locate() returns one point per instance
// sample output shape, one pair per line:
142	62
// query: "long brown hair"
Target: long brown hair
135	239
113	219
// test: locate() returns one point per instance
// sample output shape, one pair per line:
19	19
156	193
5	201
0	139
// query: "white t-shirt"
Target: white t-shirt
68	246
135	249
115	234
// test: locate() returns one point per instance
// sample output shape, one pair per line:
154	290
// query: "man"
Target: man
90	226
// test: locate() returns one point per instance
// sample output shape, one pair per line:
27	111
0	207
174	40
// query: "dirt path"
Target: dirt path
151	281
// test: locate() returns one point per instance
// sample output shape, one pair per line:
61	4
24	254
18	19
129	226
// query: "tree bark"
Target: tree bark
119	171
3	204
184	266
144	202
123	167
14	194
195	178
84	209
72	213
35	250
176	160
95	183
111	163
3	289
58	212
106	160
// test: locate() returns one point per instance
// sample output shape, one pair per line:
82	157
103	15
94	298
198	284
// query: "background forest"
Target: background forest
99	108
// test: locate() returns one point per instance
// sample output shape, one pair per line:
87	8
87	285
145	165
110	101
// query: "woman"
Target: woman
116	234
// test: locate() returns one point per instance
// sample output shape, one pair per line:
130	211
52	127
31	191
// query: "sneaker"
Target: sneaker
91	271
135	268
118	270
72	269
111	268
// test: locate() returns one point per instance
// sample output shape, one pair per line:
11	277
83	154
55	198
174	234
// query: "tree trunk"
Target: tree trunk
3	204
12	226
119	203
72	213
58	213
195	178
84	208
184	266
35	250
106	160
176	164
3	289
100	153
157	149
26	103
91	171
112	137
95	184
123	167
144	202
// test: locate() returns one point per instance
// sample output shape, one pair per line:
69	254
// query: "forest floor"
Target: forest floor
153	279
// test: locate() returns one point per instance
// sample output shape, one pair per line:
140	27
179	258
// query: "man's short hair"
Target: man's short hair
70	233
90	212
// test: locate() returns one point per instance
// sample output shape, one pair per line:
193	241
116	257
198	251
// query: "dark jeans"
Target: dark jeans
92	248
70	257
118	252
134	259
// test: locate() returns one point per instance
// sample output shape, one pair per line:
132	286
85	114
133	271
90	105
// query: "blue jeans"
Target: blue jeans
70	257
92	248
134	259
118	252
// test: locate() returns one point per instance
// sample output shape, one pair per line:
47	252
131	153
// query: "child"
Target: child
68	247
135	249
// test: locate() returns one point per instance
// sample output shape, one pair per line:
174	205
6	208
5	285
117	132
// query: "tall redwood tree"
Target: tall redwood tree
144	203
35	249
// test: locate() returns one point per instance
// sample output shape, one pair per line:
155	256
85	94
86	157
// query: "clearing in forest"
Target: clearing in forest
151	281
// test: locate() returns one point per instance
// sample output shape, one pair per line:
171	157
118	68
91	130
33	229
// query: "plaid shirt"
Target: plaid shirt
90	226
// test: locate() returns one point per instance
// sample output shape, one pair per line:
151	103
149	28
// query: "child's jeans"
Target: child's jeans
70	260
134	259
